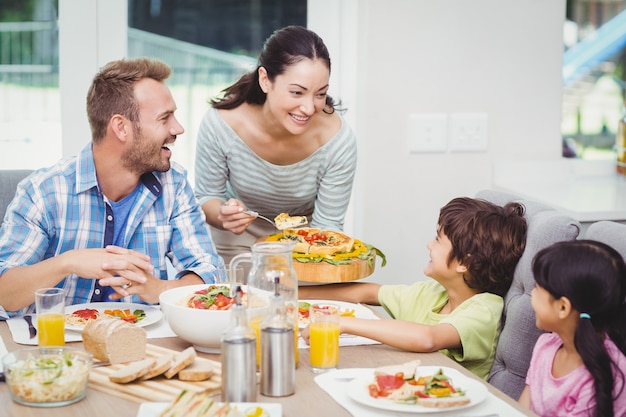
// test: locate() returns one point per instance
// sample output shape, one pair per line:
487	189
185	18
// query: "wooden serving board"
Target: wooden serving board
155	389
323	272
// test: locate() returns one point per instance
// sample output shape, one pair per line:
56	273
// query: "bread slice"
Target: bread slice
444	402
407	368
181	361
161	364
115	341
199	370
132	371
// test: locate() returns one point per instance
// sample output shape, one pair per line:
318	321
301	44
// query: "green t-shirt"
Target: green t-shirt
477	320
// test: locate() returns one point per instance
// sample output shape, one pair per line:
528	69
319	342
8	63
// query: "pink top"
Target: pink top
573	394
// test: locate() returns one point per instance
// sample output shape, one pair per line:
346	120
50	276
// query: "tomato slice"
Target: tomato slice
389	382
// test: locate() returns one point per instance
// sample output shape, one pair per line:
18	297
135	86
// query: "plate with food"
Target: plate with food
78	315
411	388
237	409
328	256
345	309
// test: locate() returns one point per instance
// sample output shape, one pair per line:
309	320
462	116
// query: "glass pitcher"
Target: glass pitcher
269	260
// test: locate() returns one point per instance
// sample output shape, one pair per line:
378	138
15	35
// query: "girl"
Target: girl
578	369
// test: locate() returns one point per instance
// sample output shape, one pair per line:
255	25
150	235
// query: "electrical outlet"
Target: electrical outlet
468	132
427	132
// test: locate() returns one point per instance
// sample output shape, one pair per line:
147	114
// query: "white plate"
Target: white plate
155	409
474	389
153	313
360	311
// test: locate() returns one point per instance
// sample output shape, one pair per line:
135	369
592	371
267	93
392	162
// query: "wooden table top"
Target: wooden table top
309	399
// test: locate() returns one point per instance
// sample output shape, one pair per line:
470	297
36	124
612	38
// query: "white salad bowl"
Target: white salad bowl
202	328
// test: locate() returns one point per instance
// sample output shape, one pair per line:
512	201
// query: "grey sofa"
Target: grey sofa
519	332
8	184
611	233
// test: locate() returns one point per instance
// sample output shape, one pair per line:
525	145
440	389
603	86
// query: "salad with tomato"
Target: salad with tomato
214	297
410	391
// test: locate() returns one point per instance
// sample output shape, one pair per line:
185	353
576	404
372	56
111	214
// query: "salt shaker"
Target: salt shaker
238	352
278	365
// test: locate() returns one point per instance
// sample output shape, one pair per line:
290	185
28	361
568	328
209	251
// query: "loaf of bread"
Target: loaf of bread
114	340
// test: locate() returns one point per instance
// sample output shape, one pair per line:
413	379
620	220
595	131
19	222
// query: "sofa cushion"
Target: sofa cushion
9	179
611	233
519	332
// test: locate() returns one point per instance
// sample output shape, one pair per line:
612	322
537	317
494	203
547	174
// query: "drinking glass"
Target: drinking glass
228	275
50	307
324	337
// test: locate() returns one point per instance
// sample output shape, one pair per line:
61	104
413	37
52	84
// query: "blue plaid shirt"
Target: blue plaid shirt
61	208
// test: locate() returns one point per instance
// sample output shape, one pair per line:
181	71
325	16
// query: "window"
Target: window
209	45
30	115
593	88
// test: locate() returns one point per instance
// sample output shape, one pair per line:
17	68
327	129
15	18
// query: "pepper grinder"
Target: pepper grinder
278	365
238	352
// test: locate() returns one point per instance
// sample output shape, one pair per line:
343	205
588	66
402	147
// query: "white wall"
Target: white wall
91	33
497	57
393	58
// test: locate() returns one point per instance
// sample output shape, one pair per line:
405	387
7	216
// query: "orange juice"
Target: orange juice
51	329
324	341
255	324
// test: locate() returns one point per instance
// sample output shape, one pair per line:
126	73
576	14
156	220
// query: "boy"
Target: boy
472	260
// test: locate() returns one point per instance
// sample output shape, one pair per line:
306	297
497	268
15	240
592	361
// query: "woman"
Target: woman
275	144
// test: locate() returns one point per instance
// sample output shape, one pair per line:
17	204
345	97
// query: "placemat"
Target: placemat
335	383
20	334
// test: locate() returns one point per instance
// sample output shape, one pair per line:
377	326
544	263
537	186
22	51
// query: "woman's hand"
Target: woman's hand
233	218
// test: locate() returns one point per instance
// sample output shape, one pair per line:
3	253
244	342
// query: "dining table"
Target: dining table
311	398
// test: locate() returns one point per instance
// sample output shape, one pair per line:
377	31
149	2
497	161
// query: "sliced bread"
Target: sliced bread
181	361
161	364
407	368
199	370
132	371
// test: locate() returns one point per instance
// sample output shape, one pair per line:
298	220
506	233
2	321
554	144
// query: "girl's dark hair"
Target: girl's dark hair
487	239
592	276
285	47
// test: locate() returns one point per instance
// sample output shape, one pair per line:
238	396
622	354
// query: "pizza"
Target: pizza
317	241
314	245
400	383
285	221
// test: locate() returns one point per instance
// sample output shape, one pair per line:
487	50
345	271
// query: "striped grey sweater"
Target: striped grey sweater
319	185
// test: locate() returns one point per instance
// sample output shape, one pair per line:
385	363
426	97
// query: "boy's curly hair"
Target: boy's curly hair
487	239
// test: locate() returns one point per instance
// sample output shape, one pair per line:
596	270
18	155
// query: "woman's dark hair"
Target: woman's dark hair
592	276
285	47
487	239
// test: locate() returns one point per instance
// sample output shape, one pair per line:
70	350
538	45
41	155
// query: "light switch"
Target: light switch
468	132
427	132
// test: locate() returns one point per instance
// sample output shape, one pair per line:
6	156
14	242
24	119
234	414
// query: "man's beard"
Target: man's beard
144	156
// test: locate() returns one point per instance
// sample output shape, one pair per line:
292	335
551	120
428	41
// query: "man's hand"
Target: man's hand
126	269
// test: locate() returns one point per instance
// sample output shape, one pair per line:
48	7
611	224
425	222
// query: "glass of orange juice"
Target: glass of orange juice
50	307
324	337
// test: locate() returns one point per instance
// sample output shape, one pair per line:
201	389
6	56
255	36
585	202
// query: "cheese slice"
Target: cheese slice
285	221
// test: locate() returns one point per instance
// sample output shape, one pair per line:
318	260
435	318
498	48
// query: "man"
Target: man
102	223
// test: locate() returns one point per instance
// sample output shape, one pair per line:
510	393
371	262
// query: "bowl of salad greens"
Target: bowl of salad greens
199	313
47	376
